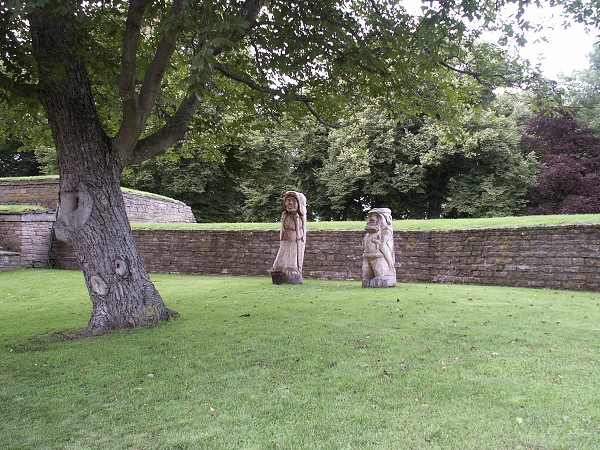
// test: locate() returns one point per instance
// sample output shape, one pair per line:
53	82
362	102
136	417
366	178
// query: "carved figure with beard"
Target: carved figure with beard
379	261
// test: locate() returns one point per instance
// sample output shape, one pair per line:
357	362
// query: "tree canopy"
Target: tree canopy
253	58
409	165
15	162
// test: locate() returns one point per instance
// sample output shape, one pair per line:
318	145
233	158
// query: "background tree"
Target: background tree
269	157
79	59
430	157
495	172
242	181
422	169
208	184
360	165
15	162
584	92
22	133
570	180
310	158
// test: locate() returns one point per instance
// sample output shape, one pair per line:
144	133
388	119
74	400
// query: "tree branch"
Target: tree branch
320	118
247	81
176	127
276	93
472	73
26	91
173	131
478	76
251	9
156	71
131	123
249	13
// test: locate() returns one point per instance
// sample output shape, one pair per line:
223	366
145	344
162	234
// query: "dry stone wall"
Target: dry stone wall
29	191
25	237
558	257
139	207
145	208
29	236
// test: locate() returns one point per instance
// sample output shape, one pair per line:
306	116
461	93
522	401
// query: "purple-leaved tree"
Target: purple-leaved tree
570	180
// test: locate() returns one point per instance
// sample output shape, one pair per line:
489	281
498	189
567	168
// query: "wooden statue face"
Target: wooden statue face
291	204
375	223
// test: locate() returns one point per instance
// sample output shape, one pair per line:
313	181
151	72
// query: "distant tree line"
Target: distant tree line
503	161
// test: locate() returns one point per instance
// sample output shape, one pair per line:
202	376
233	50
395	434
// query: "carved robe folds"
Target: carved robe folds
287	268
379	260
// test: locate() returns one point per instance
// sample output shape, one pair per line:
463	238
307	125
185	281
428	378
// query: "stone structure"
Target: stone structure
156	209
287	268
40	191
379	260
25	239
140	207
552	257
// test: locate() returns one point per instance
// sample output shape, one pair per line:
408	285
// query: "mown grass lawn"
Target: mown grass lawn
399	224
323	365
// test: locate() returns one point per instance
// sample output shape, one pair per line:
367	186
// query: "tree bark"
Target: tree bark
93	221
92	217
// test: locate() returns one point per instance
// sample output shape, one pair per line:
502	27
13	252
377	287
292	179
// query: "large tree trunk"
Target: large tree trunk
93	221
92	217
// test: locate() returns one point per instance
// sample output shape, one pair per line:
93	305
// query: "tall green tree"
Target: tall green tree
309	162
208	184
496	172
422	169
269	157
359	171
79	59
14	162
26	133
584	92
242	181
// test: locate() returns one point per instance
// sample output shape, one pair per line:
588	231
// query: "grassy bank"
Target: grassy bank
18	209
435	224
323	365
